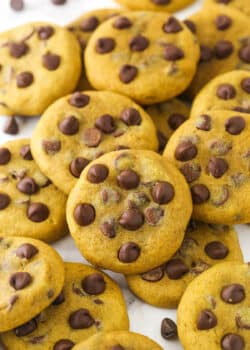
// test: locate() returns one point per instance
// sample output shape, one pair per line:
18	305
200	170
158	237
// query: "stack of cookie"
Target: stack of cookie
147	184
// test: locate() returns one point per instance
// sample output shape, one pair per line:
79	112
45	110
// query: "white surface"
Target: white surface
143	318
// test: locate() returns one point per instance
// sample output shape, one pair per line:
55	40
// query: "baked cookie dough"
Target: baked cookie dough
242	5
227	91
118	341
150	57
156	5
30	205
32	275
89	303
80	128
204	245
223	34
214	311
39	62
167	117
212	152
129	204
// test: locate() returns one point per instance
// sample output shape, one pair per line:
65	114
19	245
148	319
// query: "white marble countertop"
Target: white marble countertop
144	318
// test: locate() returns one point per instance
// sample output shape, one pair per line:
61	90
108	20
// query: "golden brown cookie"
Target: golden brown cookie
156	5
242	5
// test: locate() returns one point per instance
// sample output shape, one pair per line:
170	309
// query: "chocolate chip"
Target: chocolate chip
51	61
69	125
26	251
153	215
223	49
217	167
216	250
89	24
203	122
11	127
58	2
128	179
20	280
24	79
79	100
226	91
129	252
191	171
241	109
59	300
51	147
162	139
5	156
161	2
28	186
139	43
17	5
245	85
106	124
235	125
128	73
191	25
81	319
92	137
244	53
4	201
117	347
105	45
26	328
168	329
233	293
206	53
77	165
223	22
97	173
131	219
63	344
154	275
122	23
37	212
223	1
130	116
162	192
206	320
185	151
175	120
232	342
45	32
200	194
84	214
18	50
172	26
175	269
173	53
94	284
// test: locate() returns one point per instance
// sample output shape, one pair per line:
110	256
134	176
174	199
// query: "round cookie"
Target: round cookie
29	203
242	5
227	91
118	341
32	275
128	204
204	245
150	57
40	62
80	128
214	311
90	303
212	152
83	27
223	36
167	117
156	5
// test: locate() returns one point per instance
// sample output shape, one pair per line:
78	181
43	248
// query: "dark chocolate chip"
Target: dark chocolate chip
216	250
28	186
223	1
191	25
223	22
5	156
20	280
153	215
175	269
4	201
18	50
17	5
69	125
235	125
130	116
131	219
191	171
162	192
206	53
51	147
173	53
185	151
154	275
161	2
172	26
162	139
226	91
245	85
81	319
92	137
51	61
244	53
128	73
129	252
200	193
128	179
84	214
58	2
94	284
175	120
204	122
168	329
206	320
26	251
217	167
77	165
26	328
233	293
122	23
106	124
79	100
59	300
232	342
24	79
89	24
105	45
37	212
63	344
117	347
139	43
108	228
11	127
45	32
223	49
97	173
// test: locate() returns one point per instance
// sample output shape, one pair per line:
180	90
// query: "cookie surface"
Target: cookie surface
40	62
128	204
83	309
150	57
156	5
79	128
212	151
28	201
118	341
242	5
32	275
167	117
203	246
227	91
214	311
223	36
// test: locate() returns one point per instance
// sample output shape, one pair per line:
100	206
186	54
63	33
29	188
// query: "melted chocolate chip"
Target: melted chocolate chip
77	165
139	43
235	125
69	125
162	192
216	250
226	91
161	2
37	212
128	179
20	280
26	251
200	194
79	100
4	201
223	22
81	319
63	344
131	219
25	152
173	53
51	61
217	167
206	320
191	25
84	214
18	50
58	2
244	53
11	127
232	342
97	173
108	228
5	156
128	73
223	49
172	26
51	147
154	275
185	151
24	79
233	293
92	137
105	45
59	300
175	120
162	139
153	215
89	24
176	269
130	116
129	252
117	347
245	85
45	33
191	171
203	122
94	284
206	53
106	124
28	186
168	329
122	23
26	328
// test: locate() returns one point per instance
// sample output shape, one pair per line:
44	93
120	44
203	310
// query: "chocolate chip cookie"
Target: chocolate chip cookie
156	5
82	309
167	117
128	204
118	341
242	5
150	57
30	205
212	151
223	34
214	311
204	245
227	91
39	63
32	275
80	128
